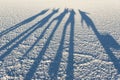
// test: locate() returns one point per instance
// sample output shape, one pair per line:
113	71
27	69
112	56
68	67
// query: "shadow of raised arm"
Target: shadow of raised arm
106	40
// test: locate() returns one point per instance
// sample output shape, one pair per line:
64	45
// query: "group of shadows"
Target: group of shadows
106	40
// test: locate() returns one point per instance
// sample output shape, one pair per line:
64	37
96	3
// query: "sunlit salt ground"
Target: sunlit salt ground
60	39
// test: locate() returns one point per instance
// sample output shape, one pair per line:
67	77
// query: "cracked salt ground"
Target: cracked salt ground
59	40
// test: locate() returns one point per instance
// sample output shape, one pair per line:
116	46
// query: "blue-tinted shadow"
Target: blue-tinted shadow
35	65
54	66
70	62
22	23
106	40
25	35
38	39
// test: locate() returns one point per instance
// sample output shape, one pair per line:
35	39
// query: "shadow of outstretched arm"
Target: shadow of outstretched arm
106	40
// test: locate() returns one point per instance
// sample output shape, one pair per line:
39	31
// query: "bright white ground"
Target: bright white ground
42	39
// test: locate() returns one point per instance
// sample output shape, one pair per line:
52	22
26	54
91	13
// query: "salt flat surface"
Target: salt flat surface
60	40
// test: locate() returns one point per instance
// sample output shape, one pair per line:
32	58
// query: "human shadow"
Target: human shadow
54	66
70	67
22	23
25	35
38	39
106	40
35	65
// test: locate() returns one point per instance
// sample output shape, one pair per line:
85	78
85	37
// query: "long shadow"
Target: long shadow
38	39
70	67
54	66
28	32
38	24
107	41
22	23
35	65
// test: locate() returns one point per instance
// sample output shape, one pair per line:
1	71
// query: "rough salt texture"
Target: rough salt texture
46	39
